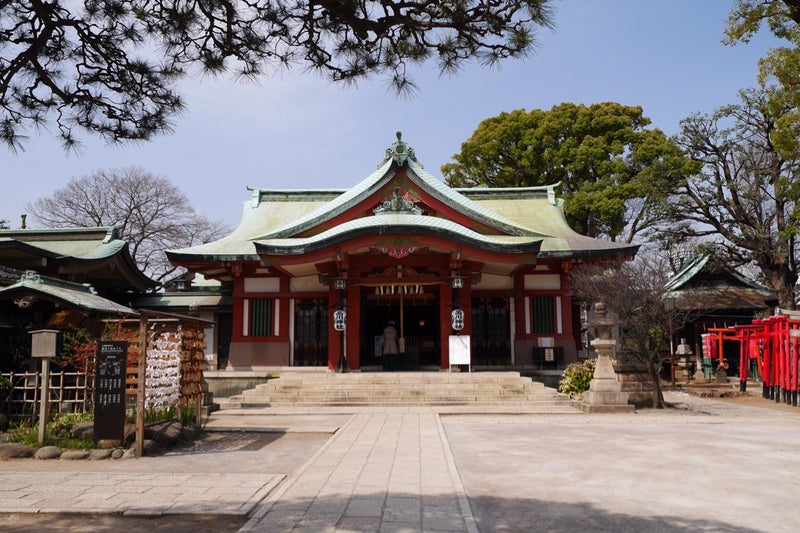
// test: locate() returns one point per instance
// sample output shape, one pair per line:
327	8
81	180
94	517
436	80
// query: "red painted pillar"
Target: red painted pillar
353	323
334	340
744	359
785	368
793	361
445	307
766	372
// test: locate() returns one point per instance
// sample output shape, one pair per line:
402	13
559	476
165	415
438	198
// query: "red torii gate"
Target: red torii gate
780	374
774	343
747	335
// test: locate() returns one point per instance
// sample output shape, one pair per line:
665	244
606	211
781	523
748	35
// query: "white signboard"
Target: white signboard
459	350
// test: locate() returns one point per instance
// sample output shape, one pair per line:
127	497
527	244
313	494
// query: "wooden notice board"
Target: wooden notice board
109	390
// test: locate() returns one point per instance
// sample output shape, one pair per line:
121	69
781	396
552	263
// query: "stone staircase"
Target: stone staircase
506	391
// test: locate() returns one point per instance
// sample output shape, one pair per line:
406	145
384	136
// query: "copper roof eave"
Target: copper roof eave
531	246
125	263
623	251
383	175
725	298
179	257
72	295
121	257
23	246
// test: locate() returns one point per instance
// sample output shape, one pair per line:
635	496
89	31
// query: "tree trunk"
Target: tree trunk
780	278
656	379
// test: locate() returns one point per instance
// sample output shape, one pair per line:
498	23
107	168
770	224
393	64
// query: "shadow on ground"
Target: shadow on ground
107	523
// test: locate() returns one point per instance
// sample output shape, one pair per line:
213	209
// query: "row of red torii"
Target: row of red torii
773	344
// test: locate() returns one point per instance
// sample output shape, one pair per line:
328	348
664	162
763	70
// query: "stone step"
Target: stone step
324	389
415	378
384	397
474	389
399	398
522	405
306	392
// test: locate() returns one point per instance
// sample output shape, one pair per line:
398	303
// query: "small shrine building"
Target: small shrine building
320	273
94	255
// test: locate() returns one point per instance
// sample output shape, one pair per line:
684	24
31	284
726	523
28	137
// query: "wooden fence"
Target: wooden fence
70	392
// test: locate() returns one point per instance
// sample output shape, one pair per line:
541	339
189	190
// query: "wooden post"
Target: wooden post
43	399
43	346
138	449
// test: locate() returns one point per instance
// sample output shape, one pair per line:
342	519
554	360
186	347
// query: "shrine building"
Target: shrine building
318	273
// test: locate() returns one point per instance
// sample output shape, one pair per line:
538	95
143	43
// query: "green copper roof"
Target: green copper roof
81	297
274	218
704	283
383	175
265	211
538	209
89	250
704	263
389	224
78	243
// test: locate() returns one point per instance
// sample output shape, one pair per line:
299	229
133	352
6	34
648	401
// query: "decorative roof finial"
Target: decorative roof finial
400	152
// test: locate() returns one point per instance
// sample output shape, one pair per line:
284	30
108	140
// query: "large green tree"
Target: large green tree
745	197
110	66
612	168
779	70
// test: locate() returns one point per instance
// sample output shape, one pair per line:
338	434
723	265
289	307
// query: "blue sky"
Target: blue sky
295	130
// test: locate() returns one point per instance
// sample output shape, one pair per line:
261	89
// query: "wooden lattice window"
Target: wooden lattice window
544	314
261	321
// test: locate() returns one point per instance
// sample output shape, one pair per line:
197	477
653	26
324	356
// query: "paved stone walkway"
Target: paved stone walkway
382	472
707	466
132	493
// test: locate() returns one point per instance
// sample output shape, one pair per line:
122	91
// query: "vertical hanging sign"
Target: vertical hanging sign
109	390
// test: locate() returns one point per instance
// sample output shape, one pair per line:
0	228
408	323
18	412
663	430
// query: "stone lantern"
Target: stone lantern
605	391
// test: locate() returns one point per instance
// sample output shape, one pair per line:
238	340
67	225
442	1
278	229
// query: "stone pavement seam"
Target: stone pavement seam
274	496
247	507
381	471
455	477
134	493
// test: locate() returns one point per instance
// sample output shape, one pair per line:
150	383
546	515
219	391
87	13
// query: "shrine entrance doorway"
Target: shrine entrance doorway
415	312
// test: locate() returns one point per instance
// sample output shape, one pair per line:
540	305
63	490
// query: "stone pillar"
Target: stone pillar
605	391
699	375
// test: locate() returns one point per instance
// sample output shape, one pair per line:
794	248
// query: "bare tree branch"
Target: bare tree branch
154	214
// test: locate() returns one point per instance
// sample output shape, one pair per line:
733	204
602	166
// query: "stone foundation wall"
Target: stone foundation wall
636	381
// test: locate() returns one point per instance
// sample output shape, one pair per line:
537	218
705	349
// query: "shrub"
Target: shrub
58	432
576	378
77	353
5	388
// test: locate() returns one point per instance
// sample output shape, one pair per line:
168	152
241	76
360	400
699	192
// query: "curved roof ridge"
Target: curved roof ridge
398	222
83	296
334	207
687	271
482	214
433	186
693	267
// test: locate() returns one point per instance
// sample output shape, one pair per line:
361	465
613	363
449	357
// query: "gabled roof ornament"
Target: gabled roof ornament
400	152
400	202
31	275
112	234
